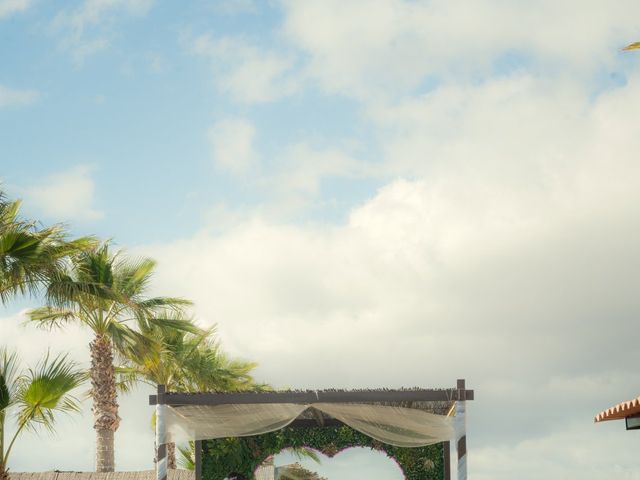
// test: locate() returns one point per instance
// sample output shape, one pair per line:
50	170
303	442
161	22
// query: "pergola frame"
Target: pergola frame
459	394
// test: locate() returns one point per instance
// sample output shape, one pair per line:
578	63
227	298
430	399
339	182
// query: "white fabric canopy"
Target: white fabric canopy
200	422
402	427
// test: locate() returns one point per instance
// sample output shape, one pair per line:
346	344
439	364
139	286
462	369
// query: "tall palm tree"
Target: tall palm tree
30	253
35	396
105	292
183	361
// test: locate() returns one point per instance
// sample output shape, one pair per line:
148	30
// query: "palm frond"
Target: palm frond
51	317
127	378
187	456
45	390
121	335
8	375
302	453
133	276
169	322
29	253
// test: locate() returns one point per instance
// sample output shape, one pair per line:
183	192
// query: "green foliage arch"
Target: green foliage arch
242	456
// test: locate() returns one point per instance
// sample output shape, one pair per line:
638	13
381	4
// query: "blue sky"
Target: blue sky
135	115
365	186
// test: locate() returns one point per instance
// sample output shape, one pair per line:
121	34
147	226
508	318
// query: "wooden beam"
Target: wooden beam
320	396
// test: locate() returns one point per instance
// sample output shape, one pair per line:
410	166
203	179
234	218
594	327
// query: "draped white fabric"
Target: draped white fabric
199	422
403	427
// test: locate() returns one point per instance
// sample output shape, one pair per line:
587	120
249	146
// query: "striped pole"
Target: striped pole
161	436
461	430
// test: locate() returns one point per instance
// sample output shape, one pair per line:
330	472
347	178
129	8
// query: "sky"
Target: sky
358	193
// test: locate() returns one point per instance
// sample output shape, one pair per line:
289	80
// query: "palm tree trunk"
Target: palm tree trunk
105	406
171	456
3	472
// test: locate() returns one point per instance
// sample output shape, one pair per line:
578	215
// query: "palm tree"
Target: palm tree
34	396
29	253
105	292
183	361
296	471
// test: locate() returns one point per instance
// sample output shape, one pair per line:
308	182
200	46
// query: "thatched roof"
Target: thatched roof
140	475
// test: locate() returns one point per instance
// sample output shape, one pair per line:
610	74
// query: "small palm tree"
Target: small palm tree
30	254
183	361
105	292
34	396
296	471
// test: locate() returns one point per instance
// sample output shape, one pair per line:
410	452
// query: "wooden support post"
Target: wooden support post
446	447
161	436
198	459
461	430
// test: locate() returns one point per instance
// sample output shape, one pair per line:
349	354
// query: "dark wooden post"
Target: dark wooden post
446	451
198	459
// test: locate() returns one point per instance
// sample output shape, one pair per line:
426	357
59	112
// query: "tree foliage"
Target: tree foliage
31	254
34	396
241	456
106	291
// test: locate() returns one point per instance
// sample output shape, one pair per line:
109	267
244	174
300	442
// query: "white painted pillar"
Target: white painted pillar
161	436
460	423
461	439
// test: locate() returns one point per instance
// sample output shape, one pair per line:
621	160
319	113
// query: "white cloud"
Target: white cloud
10	97
65	196
510	260
294	180
304	167
250	74
291	182
232	145
9	7
384	48
85	30
559	452
423	286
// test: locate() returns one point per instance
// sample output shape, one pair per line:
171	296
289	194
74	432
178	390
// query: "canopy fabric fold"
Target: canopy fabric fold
402	427
399	426
200	422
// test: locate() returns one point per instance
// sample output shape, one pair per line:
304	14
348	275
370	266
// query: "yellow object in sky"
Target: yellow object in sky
633	46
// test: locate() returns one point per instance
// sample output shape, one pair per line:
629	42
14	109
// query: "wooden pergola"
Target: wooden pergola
436	400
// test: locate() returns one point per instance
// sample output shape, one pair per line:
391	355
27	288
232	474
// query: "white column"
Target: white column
161	438
460	423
